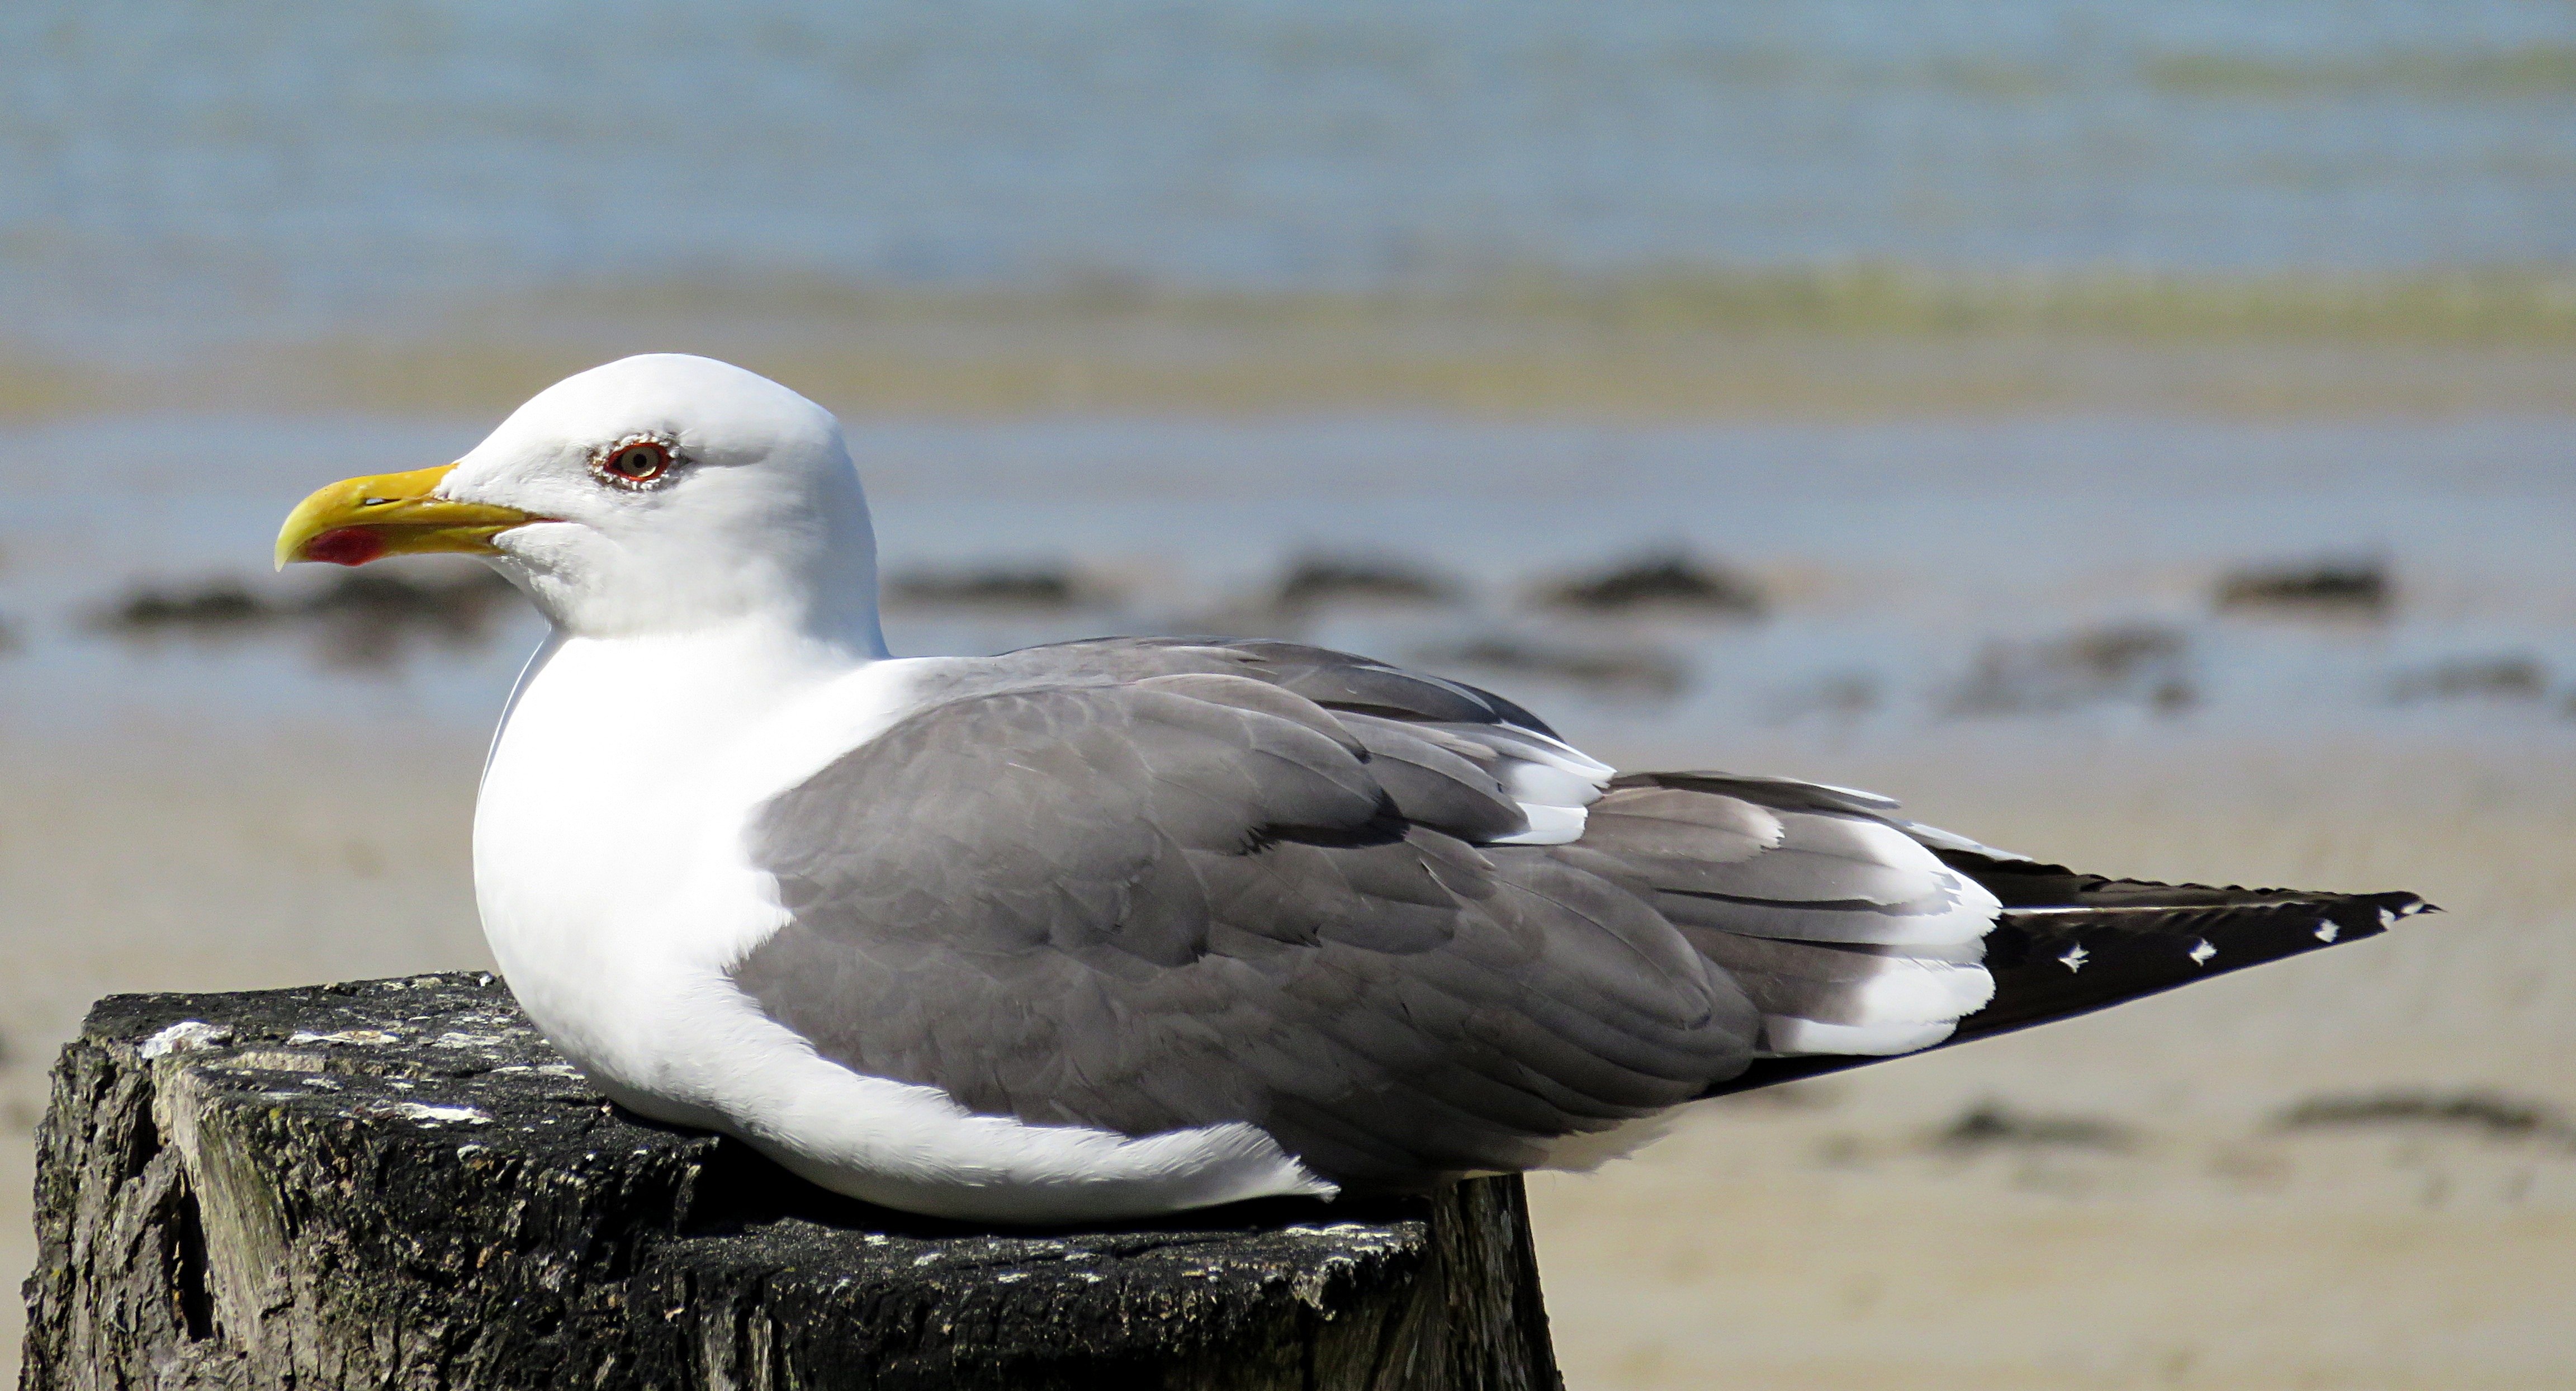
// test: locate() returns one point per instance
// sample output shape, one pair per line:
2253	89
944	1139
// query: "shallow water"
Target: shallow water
187	174
1915	573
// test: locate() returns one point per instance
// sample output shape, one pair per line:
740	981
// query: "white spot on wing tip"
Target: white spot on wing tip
2327	931
2201	951
2074	958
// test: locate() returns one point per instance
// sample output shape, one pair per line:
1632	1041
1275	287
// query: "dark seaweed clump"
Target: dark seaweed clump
2343	589
1989	1125
997	587
1642	670
1671	583
357	620
1316	580
2487	1113
214	604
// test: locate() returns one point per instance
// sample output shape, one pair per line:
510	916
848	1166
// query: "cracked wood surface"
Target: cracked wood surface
397	1183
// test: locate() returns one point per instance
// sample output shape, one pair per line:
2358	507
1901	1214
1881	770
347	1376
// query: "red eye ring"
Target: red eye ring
636	461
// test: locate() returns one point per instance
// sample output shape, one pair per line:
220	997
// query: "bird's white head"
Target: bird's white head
657	494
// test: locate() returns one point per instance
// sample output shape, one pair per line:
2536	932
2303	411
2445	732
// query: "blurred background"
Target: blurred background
2138	434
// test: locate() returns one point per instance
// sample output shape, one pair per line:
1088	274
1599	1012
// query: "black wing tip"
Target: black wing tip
2110	941
2025	883
2113	941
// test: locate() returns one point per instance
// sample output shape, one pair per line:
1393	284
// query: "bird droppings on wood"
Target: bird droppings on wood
353	1037
186	1036
290	1201
424	1114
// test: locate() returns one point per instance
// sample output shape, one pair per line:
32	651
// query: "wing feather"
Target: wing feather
1177	902
1147	884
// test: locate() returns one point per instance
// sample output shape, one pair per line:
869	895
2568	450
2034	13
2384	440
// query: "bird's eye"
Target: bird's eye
640	462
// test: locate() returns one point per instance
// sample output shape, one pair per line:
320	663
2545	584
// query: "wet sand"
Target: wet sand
152	859
1041	358
1826	1238
1832	1239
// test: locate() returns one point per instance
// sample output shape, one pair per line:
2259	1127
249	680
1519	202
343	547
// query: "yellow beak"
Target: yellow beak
360	519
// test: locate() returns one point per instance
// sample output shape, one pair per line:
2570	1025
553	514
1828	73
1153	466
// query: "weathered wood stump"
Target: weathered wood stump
399	1184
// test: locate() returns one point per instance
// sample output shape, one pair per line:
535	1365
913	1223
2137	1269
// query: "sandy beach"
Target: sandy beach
2150	1222
2141	1220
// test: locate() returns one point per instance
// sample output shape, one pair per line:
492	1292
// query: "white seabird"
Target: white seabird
1131	926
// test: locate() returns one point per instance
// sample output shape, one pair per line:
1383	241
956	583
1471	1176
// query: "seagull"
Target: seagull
1116	928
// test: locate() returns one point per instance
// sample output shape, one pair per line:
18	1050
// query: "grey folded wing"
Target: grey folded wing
1143	903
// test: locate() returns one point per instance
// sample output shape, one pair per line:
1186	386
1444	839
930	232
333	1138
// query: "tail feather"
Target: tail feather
2069	943
1839	924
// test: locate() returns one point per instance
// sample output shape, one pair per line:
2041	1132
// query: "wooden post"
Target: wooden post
397	1183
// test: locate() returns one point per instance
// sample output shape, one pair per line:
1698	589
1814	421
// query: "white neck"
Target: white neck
622	775
608	691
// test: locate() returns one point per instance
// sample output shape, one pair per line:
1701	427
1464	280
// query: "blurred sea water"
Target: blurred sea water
1912	575
184	174
1766	285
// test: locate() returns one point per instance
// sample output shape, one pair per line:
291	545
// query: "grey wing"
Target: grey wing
1338	681
1416	727
1147	884
1202	897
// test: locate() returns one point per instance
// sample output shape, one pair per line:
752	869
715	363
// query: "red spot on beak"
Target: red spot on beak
346	545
